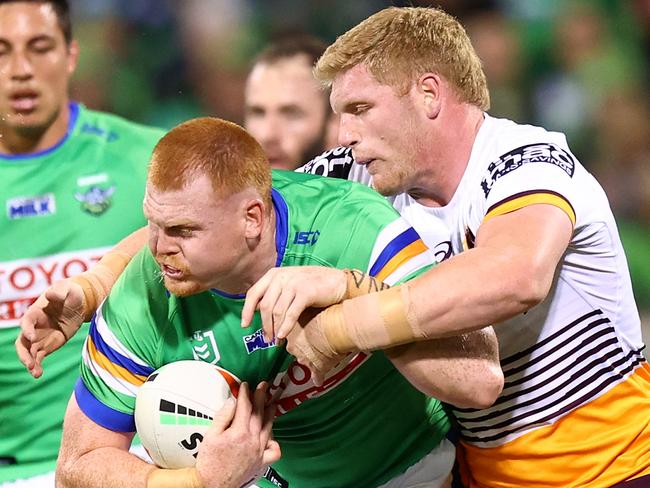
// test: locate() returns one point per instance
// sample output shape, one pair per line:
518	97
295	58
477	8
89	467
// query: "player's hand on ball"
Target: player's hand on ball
309	345
48	323
282	294
238	445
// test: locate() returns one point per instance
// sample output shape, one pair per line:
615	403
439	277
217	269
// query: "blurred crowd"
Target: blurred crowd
578	66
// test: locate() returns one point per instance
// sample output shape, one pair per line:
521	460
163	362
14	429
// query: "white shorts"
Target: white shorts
47	480
41	481
432	471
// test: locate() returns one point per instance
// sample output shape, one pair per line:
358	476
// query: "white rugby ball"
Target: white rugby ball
175	407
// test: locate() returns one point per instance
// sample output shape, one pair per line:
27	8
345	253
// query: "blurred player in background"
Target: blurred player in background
71	182
286	109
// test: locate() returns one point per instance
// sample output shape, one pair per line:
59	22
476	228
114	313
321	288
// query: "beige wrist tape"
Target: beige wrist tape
98	281
374	321
174	478
359	283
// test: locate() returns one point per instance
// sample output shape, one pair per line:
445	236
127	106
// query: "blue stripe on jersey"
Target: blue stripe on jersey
72	120
281	224
396	245
100	413
114	356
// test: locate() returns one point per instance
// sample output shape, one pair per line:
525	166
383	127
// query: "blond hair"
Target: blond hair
221	150
399	44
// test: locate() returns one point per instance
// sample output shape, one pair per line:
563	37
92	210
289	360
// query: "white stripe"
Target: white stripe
543	370
385	237
417	262
120	386
112	341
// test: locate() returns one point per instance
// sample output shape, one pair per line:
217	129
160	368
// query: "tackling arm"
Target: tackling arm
60	310
462	370
509	271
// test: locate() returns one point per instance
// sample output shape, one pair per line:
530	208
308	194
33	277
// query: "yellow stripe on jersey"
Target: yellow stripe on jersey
119	372
409	252
598	445
517	202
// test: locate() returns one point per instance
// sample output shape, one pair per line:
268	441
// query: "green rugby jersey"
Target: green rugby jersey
364	426
63	209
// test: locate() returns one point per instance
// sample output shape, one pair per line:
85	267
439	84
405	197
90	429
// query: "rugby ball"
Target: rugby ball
175	406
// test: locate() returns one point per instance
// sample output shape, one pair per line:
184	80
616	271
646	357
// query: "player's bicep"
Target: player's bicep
82	435
531	240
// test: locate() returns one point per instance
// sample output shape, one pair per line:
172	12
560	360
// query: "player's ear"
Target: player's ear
254	215
73	56
429	88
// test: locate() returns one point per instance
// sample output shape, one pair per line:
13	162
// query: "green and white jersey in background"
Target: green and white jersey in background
63	209
363	427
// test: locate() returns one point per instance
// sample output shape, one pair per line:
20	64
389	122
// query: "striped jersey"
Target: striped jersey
63	208
574	408
364	426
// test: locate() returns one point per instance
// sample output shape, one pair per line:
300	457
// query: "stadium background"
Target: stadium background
578	66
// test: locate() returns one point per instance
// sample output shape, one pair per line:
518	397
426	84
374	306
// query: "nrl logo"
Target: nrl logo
95	200
205	347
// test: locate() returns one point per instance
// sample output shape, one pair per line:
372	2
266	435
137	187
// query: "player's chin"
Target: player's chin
183	288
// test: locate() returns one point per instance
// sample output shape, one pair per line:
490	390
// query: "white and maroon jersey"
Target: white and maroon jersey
575	409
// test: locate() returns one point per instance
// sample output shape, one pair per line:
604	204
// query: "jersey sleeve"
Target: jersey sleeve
122	347
531	174
377	240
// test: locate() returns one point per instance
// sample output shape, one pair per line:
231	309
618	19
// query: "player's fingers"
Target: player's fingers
223	417
253	297
22	349
32	317
37	369
48	342
298	306
244	408
266	306
57	293
259	400
272	452
282	306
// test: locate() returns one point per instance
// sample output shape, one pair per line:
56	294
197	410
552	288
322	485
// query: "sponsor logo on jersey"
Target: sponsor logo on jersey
23	280
309	237
335	163
532	153
95	200
255	342
442	251
294	386
37	206
98	131
205	347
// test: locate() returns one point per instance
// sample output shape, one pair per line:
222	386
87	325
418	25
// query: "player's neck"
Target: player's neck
444	170
21	140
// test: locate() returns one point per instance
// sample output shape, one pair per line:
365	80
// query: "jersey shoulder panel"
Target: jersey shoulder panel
347	225
124	345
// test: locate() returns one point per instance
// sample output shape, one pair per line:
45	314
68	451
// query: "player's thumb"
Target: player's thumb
272	452
223	417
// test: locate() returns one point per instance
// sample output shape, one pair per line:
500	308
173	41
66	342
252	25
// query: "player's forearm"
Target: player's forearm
105	467
97	282
468	292
463	371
